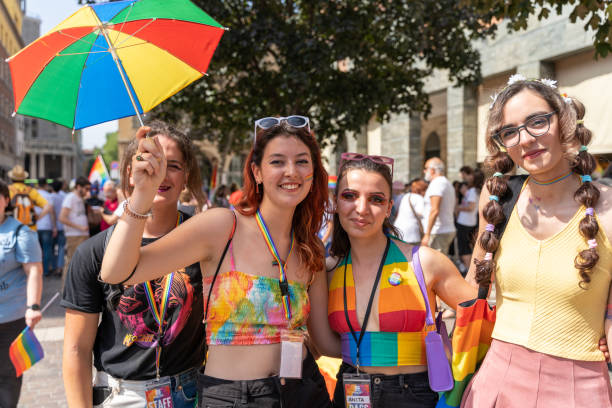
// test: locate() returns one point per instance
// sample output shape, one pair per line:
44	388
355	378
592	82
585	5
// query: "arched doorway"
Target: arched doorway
432	146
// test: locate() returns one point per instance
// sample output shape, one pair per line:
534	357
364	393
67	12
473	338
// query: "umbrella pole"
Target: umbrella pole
116	59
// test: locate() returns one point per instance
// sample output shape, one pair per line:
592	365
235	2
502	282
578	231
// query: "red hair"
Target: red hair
309	213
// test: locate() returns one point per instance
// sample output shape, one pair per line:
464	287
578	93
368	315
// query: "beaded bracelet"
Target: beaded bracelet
127	208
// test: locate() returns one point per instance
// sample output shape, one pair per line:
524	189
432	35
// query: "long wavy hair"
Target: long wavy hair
341	244
308	214
187	148
571	135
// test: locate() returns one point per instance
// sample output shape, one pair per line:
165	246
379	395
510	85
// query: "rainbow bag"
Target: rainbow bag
471	340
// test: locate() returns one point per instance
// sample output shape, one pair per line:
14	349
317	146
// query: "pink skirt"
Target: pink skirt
514	376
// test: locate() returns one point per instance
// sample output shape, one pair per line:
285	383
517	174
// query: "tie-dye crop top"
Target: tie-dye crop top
247	309
401	315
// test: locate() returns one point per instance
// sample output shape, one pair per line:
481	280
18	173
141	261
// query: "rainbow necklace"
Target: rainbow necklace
549	182
282	266
160	312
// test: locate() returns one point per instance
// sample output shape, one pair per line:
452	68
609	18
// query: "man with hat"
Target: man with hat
24	198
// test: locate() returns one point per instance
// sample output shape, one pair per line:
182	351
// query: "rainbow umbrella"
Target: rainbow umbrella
112	60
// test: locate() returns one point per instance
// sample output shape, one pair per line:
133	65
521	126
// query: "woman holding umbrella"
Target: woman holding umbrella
260	262
149	342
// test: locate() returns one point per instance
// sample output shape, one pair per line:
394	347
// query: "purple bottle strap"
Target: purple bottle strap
418	272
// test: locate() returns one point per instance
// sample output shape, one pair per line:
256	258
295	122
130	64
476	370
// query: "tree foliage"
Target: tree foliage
597	15
339	62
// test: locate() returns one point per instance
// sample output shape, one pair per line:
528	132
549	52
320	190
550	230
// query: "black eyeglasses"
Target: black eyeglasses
536	126
295	121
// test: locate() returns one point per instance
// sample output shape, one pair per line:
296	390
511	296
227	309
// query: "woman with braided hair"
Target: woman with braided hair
553	264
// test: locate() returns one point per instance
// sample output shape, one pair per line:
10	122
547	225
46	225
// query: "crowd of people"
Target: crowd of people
179	301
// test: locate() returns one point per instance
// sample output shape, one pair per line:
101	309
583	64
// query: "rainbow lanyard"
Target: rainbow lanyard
159	312
282	268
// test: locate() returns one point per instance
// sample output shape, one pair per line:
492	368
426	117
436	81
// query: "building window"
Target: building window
432	146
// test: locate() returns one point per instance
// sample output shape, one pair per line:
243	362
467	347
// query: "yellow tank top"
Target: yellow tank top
539	303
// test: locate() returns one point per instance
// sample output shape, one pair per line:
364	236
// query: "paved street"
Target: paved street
42	384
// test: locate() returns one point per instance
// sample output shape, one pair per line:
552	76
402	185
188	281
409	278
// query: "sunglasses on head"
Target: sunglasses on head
294	121
387	161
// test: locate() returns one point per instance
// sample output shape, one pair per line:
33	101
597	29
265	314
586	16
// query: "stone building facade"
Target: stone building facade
553	48
49	150
11	18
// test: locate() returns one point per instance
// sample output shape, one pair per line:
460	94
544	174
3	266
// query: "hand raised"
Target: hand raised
149	163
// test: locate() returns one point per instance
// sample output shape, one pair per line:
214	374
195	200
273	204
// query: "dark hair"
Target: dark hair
42	182
341	245
478	180
309	213
57	185
185	145
4	190
571	134
466	170
82	182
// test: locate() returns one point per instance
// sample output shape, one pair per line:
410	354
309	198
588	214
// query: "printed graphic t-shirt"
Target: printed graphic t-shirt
125	341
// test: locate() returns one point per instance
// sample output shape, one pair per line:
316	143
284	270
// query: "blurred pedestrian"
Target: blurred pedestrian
94	206
24	198
20	292
439	205
59	242
409	220
111	203
220	199
235	195
74	218
467	218
46	227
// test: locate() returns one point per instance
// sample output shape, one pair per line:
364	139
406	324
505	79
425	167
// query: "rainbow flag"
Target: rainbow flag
98	172
471	341
25	351
331	182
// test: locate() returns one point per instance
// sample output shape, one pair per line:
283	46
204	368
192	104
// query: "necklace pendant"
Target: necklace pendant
395	279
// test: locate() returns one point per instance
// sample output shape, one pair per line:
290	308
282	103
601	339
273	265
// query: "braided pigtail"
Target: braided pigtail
494	215
587	194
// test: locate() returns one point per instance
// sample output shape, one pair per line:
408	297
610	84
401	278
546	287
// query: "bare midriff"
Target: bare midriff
394	370
250	362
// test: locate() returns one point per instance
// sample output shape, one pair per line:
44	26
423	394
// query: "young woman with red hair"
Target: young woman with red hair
258	264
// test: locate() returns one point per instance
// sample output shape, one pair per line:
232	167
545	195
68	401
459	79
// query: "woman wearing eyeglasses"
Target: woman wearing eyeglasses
375	301
553	263
259	263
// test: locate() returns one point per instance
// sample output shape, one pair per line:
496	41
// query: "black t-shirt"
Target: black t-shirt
124	342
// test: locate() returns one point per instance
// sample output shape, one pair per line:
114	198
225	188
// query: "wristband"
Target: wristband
35	306
129	211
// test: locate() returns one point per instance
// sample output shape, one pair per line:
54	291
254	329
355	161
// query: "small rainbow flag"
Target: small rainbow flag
25	351
98	172
331	181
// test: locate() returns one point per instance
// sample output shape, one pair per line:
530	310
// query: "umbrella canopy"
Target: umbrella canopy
113	60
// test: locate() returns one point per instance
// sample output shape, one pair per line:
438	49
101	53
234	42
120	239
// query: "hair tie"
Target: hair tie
592	243
490	227
496	198
586	178
583	148
590	211
498	174
488	256
580	122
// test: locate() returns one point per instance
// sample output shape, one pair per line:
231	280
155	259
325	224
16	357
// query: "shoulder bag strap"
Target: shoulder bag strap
418	220
212	284
515	184
418	273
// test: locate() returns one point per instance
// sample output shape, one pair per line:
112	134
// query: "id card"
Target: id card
357	390
159	394
292	343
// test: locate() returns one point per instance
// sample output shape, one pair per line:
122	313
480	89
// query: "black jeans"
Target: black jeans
10	386
397	391
307	392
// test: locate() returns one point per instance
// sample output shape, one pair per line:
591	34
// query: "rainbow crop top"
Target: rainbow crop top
401	316
247	309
